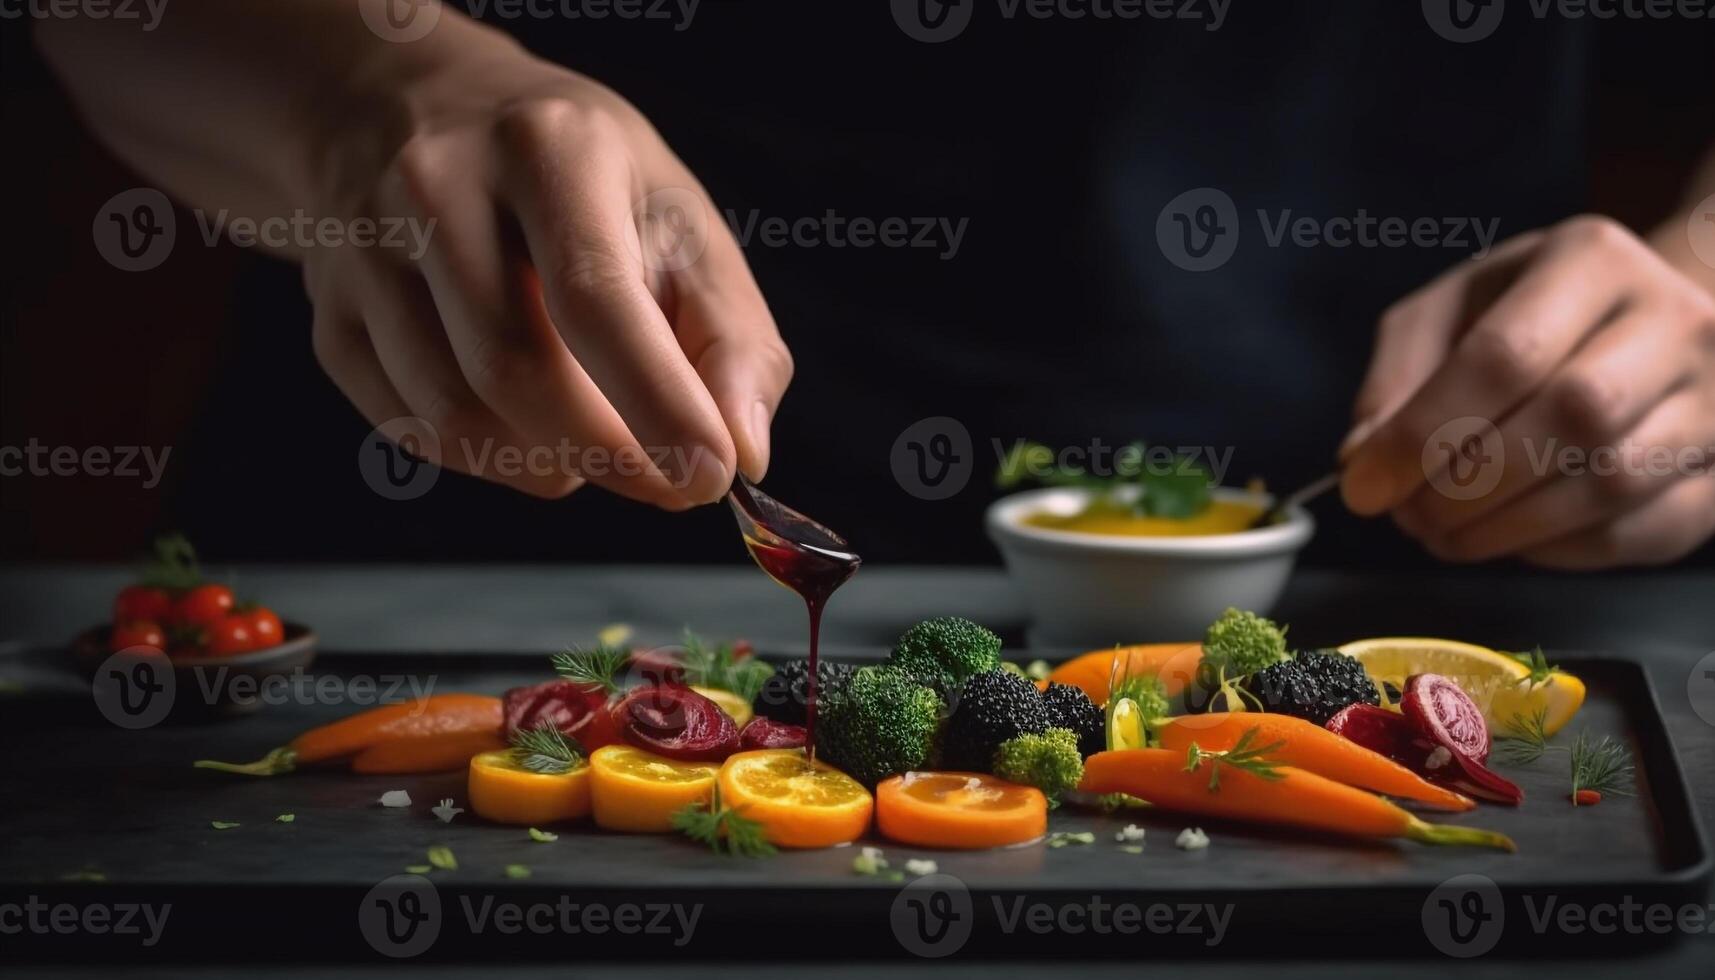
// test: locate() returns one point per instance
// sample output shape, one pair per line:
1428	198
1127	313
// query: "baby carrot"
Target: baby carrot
1255	791
438	714
1308	746
425	753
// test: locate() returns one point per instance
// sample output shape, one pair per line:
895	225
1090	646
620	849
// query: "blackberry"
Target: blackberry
1314	685
782	695
1069	707
993	706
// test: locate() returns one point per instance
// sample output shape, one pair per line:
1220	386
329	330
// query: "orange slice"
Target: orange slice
964	810
503	791
639	791
799	803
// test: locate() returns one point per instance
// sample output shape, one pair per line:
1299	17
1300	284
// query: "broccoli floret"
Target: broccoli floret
1149	693
993	706
946	652
880	722
1049	761
1242	643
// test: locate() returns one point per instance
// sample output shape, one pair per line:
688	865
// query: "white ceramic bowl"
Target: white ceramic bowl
1094	590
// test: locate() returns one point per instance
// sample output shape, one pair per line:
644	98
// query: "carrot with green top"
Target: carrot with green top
1308	746
422	718
1243	784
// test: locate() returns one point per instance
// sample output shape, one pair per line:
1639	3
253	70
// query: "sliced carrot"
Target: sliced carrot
438	714
427	753
1308	746
799	802
505	792
965	810
1296	799
639	791
1174	663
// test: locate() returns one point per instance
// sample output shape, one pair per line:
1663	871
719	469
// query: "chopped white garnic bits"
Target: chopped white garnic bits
395	797
1191	839
1438	758
1130	834
921	866
446	811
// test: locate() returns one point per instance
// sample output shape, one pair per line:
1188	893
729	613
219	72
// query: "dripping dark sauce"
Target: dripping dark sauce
803	556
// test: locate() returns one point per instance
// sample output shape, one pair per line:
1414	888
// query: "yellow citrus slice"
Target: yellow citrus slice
799	803
737	708
1500	684
503	791
639	791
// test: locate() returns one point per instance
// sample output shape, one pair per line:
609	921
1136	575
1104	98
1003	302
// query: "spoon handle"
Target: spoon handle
1298	498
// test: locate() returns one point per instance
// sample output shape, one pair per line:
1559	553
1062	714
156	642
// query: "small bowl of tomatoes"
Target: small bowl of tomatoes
221	649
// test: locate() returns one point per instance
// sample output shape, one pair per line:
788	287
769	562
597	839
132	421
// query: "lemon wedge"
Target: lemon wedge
1501	684
736	707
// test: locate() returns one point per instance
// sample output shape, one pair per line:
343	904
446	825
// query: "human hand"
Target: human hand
576	299
1569	379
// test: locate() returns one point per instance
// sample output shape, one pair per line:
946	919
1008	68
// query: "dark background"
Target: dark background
1059	318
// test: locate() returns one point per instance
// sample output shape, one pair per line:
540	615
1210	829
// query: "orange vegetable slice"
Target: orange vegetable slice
1174	663
503	791
799	802
965	810
638	791
428	753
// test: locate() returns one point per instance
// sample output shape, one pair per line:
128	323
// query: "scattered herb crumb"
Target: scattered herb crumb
1191	839
517	871
395	798
85	875
417	869
921	866
442	857
223	824
1131	834
446	811
869	861
1062	838
543	836
1132	848
286	818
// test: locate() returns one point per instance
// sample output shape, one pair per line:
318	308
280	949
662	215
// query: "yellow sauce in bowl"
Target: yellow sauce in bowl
1220	517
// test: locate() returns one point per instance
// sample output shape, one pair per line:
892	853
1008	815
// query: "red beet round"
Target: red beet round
1445	713
676	722
568	705
766	733
1377	729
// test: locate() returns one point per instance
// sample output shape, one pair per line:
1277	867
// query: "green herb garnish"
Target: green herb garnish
173	565
441	856
517	871
596	667
543	836
545	749
286	818
721	828
1061	838
1604	766
720	666
222	824
1526	739
1241	756
1172	487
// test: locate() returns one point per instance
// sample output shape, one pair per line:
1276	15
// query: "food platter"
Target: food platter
105	814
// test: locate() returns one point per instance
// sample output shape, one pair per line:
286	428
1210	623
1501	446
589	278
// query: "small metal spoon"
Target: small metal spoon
764	518
1298	498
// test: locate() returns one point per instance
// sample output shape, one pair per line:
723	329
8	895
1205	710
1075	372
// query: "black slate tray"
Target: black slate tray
87	800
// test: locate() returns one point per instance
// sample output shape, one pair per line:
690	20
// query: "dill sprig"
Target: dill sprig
722	829
719	666
597	666
1241	756
1604	766
1526	739
545	749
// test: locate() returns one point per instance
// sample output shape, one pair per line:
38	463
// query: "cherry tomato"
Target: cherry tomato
203	605
228	635
265	629
138	633
142	602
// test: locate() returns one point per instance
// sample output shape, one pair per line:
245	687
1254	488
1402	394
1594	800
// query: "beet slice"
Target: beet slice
1377	729
674	721
567	705
766	733
1400	739
1443	711
662	665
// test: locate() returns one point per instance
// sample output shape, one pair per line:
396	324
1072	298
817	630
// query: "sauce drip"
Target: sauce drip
801	555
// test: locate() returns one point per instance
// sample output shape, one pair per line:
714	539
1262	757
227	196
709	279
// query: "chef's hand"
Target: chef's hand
577	297
1553	400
